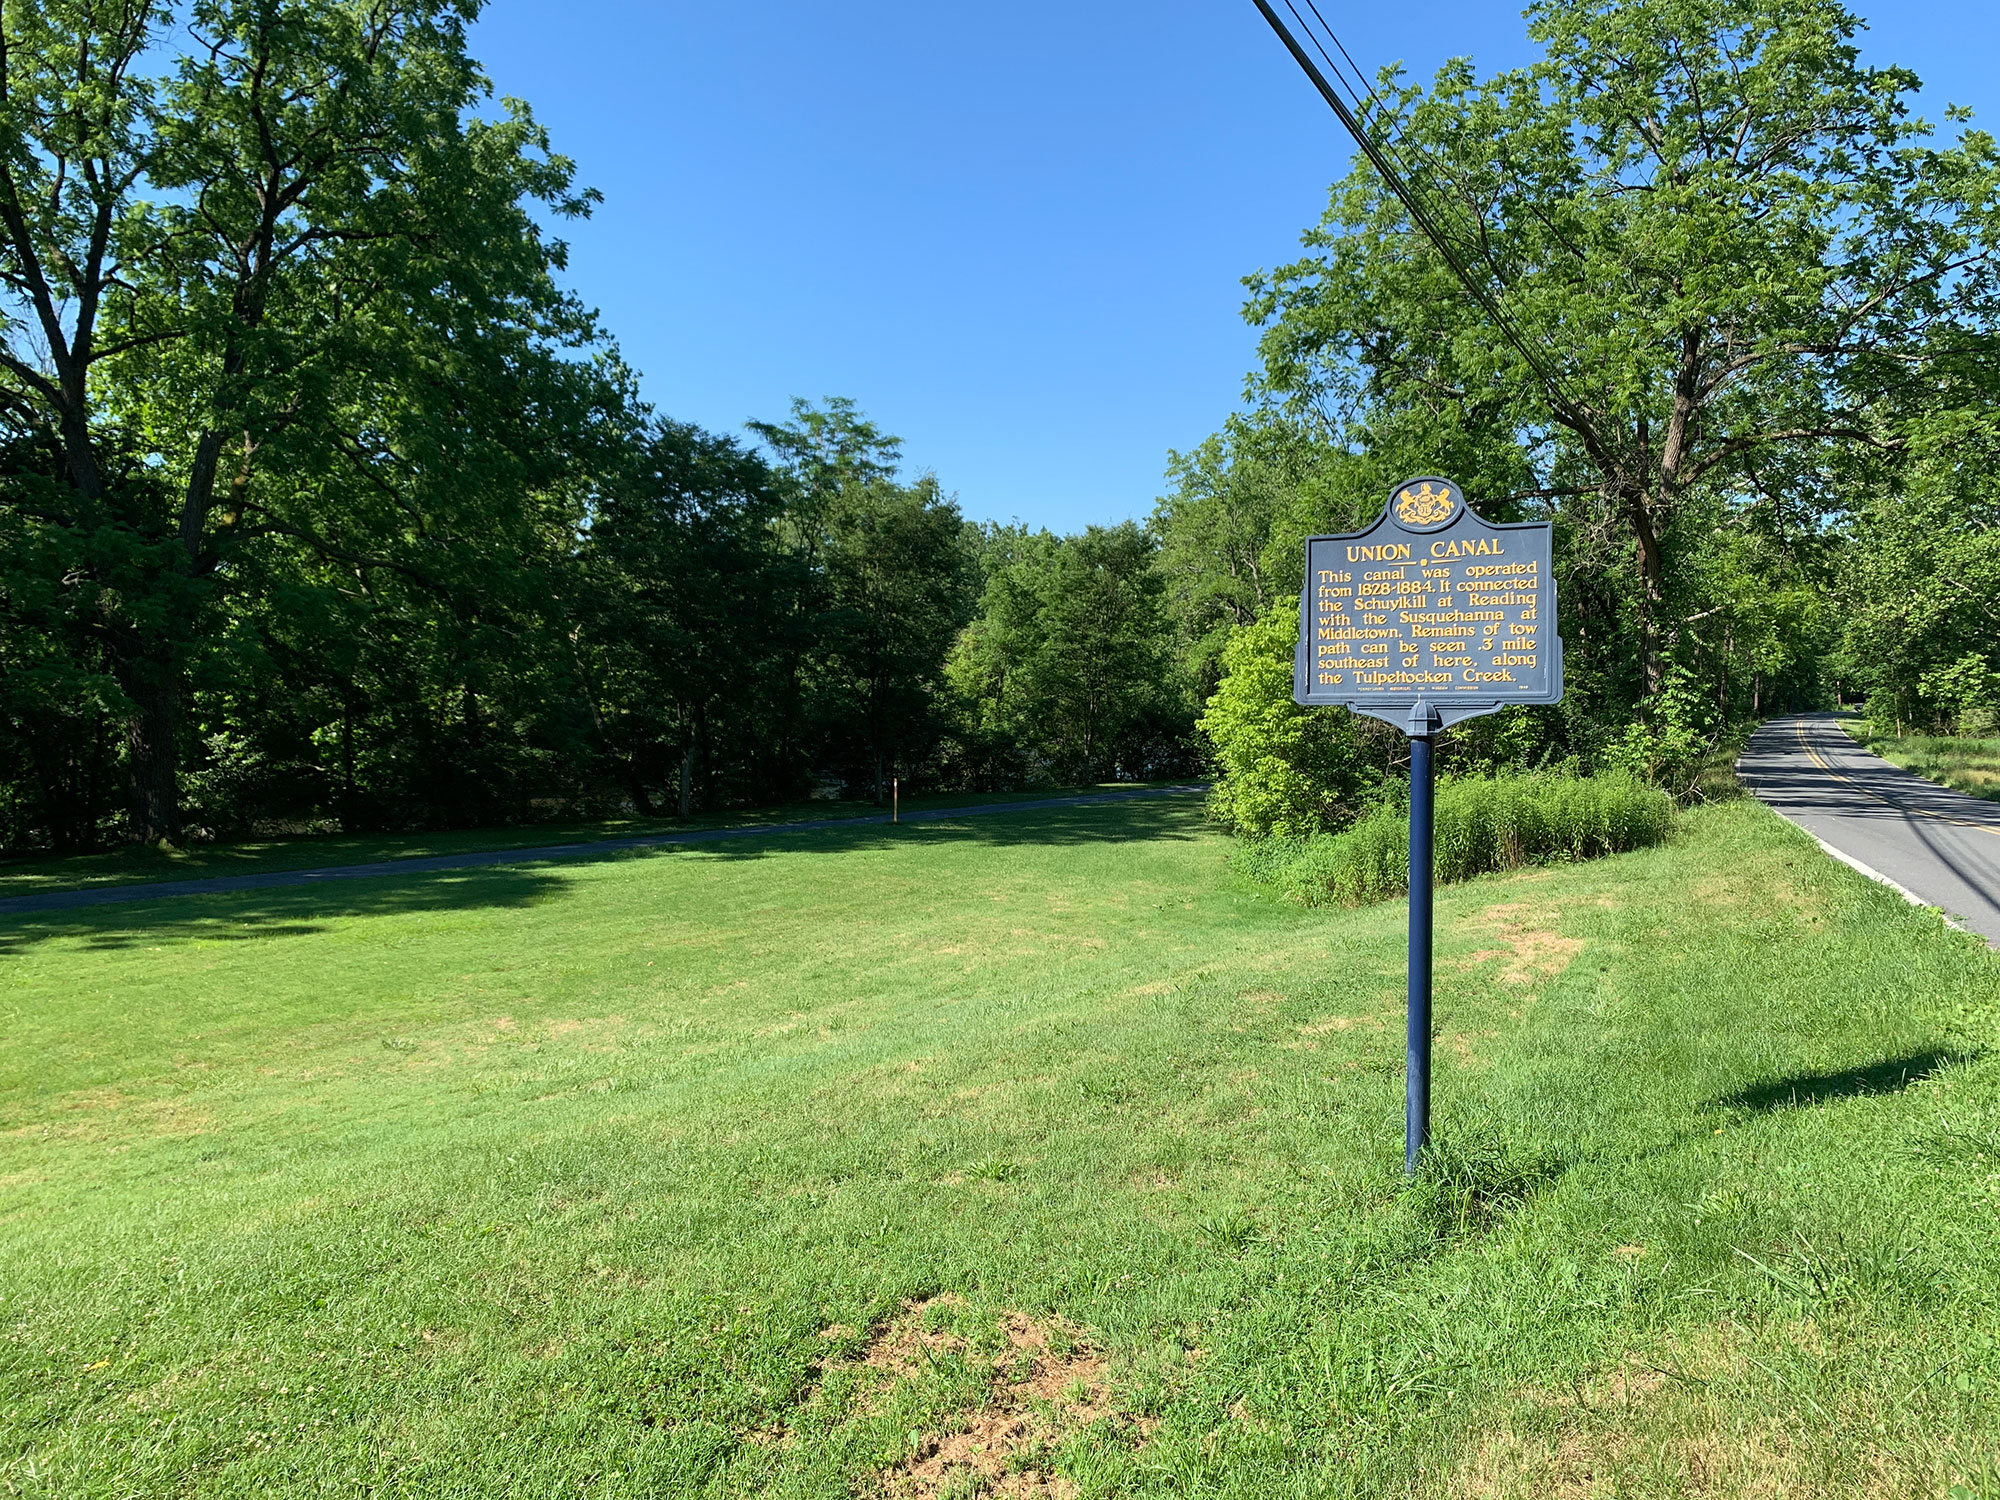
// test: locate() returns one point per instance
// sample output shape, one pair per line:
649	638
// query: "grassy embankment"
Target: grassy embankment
1968	764
29	874
734	1171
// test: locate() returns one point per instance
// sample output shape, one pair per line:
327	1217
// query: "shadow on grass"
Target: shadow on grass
1890	1076
1105	823
288	911
281	908
37	875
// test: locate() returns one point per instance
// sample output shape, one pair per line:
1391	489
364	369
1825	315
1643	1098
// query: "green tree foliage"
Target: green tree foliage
1233	525
1920	591
894	580
1285	772
1735	249
322	503
286	296
1068	667
691	621
1748	278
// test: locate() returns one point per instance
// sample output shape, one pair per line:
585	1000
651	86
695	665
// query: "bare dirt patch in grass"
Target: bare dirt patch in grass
1614	1438
1755	894
1046	1383
1534	954
102	1114
1688	1425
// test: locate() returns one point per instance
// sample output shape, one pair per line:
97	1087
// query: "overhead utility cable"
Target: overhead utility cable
1420	212
1440	192
1356	83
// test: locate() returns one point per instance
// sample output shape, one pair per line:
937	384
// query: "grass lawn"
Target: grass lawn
1032	1155
140	863
1968	764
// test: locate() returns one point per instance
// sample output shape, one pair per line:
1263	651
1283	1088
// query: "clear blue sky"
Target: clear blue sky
1013	233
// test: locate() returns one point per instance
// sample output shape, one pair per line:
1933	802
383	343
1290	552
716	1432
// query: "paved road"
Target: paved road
106	895
1942	847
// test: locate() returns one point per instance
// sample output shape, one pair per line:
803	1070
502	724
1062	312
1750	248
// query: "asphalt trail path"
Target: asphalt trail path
108	895
1940	846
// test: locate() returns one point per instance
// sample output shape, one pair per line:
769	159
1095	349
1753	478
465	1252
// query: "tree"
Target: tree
896	592
1920	585
1070	656
688	604
1215	526
1285	771
1738	259
288	289
893	579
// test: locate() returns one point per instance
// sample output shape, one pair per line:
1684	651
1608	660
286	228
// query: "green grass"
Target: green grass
1965	763
732	1171
23	875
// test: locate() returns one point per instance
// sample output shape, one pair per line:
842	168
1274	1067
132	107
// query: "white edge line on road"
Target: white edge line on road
1854	864
1875	875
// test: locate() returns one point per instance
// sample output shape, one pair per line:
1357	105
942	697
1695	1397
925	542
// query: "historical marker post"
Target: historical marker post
1430	616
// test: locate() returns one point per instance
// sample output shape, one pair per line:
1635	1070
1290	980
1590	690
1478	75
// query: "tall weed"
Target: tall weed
1483	824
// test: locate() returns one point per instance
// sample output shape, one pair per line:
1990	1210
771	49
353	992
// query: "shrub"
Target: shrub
1670	745
1483	824
1285	772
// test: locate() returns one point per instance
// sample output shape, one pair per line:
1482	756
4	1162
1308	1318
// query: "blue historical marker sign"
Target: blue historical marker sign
1430	616
1430	607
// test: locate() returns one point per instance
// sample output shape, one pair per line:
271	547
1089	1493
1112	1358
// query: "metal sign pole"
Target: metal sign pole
1428	617
1423	785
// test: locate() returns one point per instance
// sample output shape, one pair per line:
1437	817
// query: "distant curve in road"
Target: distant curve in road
1940	846
161	890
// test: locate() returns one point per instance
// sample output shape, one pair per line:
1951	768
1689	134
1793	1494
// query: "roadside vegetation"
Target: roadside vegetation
1037	1152
1483	824
1966	763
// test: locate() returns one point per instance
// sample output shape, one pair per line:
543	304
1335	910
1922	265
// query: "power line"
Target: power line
1340	75
1433	193
1420	213
1441	189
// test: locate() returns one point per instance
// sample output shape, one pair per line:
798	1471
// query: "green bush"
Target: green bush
1284	772
1483	824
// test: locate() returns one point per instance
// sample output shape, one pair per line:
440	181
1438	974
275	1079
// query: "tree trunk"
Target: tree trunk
347	794
152	764
687	781
150	676
1652	595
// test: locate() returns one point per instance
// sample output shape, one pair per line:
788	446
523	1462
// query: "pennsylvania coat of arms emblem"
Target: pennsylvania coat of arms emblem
1425	504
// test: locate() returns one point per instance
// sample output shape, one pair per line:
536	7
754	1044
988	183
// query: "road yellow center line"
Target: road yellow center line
1917	812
